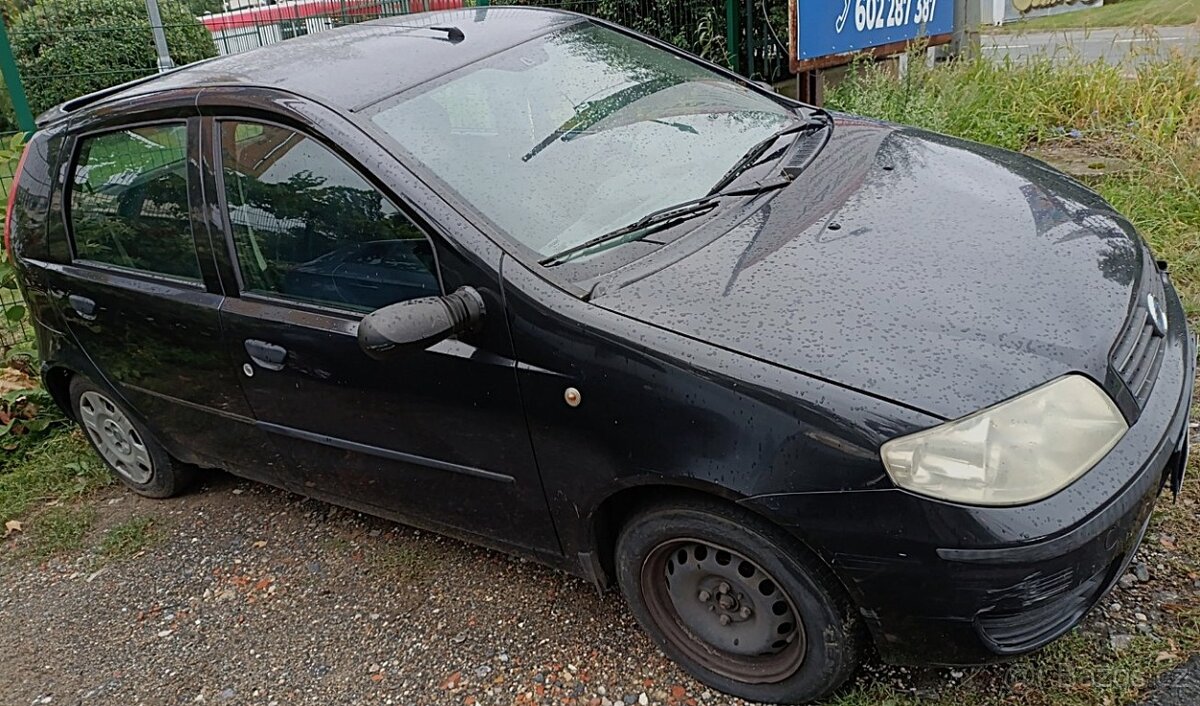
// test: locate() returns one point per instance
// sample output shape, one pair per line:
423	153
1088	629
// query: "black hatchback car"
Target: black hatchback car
791	380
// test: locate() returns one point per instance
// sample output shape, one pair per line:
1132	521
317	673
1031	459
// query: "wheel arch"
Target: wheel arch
57	380
615	509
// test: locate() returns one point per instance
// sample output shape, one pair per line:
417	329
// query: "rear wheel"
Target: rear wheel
736	603
128	450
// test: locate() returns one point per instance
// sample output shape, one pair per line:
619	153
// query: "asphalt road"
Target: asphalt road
1112	45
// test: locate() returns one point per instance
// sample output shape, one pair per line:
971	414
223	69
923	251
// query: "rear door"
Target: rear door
140	294
437	436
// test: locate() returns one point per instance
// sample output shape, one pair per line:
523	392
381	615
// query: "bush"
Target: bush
67	48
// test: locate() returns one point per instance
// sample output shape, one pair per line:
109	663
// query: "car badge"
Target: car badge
1158	315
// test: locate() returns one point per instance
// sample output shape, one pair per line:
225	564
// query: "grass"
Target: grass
128	538
59	530
60	469
405	560
1127	13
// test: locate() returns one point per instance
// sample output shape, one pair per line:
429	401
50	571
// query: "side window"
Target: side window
308	227
129	201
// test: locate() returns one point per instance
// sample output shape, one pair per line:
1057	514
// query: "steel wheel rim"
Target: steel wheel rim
747	629
115	438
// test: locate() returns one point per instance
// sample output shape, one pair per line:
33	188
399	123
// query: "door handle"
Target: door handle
266	355
86	308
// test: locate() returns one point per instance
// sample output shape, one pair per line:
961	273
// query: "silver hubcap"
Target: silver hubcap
115	438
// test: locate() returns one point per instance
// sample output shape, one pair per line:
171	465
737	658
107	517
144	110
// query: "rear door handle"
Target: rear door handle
86	308
266	355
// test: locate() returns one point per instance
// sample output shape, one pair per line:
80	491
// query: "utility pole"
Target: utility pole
160	37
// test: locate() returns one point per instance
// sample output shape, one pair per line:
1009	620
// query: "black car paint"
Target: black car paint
780	403
845	275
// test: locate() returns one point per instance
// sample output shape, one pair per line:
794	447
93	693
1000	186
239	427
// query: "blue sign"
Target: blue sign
828	27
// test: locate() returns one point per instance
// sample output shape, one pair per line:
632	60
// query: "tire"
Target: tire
780	629
126	447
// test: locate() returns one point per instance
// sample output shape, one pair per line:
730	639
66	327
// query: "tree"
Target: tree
199	7
67	48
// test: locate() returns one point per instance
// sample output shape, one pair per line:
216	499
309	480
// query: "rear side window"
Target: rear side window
129	201
308	227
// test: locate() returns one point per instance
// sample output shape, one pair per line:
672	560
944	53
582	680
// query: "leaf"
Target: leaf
12	526
15	313
37	425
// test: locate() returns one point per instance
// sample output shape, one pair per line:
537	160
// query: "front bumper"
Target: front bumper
939	583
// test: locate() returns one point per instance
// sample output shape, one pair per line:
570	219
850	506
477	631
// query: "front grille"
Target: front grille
1138	352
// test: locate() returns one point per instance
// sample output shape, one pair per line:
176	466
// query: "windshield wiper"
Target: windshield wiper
655	220
590	112
663	217
754	156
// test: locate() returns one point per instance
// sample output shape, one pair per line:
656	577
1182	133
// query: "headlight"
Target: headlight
1016	452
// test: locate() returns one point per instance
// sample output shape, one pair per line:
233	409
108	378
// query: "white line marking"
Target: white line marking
1150	39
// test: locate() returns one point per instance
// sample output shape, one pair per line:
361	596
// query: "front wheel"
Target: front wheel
736	603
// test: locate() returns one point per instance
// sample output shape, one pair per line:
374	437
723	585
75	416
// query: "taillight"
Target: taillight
12	201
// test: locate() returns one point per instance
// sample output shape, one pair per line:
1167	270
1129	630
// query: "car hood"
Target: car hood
933	272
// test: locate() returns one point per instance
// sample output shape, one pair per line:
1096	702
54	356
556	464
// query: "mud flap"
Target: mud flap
1180	459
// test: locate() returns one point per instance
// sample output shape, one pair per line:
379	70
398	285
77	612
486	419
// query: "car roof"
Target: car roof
357	65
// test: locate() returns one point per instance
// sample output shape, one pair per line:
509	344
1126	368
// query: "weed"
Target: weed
128	538
60	468
407	561
59	529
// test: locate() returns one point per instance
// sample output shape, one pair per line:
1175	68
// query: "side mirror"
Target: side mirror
419	323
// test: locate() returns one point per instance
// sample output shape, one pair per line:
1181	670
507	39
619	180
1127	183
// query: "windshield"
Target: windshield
579	132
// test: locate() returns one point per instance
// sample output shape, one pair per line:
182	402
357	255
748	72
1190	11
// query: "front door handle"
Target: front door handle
86	308
266	355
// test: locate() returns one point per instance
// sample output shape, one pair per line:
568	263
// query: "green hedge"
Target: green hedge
67	48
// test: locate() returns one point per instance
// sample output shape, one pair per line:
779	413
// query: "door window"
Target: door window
306	226
129	201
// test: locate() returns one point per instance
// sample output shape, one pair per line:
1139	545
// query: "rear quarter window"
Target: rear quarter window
128	202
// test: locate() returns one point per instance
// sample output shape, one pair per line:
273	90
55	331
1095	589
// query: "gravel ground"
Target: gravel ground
251	595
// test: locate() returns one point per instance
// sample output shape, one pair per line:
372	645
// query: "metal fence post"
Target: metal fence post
748	71
160	37
733	45
12	79
968	14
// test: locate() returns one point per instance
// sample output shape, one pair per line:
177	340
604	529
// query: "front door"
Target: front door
436	437
139	299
